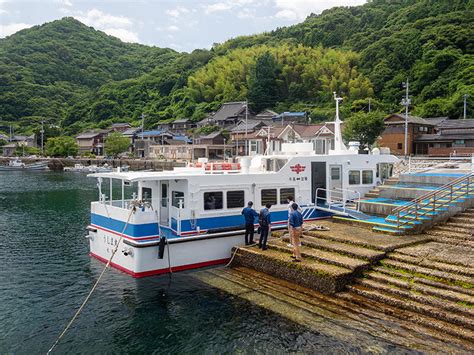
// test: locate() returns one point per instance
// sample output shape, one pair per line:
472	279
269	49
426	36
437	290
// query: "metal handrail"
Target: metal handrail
431	199
341	199
434	192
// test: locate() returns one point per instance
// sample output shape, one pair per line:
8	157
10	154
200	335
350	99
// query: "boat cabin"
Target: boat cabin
209	197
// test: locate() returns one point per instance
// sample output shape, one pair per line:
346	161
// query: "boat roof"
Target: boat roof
151	175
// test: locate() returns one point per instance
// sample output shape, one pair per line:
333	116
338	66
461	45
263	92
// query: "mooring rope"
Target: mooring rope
93	287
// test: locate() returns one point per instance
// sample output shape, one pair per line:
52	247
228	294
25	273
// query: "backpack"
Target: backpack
261	218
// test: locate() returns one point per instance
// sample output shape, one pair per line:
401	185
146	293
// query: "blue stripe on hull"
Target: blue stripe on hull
132	230
151	229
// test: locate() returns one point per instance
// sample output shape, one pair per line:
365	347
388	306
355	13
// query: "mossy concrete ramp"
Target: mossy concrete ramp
332	258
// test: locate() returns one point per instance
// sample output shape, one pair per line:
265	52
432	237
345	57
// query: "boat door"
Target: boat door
335	183
164	203
318	181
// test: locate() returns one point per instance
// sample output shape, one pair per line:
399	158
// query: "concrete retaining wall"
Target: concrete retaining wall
134	164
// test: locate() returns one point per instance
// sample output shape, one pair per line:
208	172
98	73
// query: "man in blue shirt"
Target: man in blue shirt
265	223
296	224
249	215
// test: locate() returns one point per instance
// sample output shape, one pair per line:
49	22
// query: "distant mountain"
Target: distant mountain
46	69
84	78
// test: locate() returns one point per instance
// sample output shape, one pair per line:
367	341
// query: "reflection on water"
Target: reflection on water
46	273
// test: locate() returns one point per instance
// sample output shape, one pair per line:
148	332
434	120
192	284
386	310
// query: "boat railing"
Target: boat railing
217	168
126	204
430	202
342	199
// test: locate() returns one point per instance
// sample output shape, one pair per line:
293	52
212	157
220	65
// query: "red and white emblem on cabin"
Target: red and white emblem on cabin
298	168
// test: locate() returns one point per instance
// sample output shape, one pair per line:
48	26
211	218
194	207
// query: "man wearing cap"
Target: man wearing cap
249	214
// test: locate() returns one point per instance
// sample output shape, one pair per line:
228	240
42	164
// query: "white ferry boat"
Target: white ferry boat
191	217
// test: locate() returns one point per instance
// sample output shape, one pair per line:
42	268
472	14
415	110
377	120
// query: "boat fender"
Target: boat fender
161	247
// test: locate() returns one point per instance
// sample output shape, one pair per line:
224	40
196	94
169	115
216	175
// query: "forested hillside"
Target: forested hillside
84	78
47	69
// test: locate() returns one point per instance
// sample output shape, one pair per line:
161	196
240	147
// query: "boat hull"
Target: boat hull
143	260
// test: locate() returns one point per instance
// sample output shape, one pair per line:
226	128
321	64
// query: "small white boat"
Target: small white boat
17	165
106	168
79	168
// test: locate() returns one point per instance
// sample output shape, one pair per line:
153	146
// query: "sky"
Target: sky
183	25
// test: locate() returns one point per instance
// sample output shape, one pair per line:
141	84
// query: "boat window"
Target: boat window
213	200
164	195
235	199
279	163
177	196
146	194
285	193
335	173
269	196
275	164
354	177
367	177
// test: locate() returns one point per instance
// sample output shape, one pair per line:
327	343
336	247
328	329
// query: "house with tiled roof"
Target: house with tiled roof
269	139
291	117
181	125
92	141
393	136
451	137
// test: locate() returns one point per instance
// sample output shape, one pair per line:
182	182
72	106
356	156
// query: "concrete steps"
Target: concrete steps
454	241
414	279
443	233
332	258
356	316
377	292
463	219
372	194
433	264
454	227
391	181
426	272
351	250
445	329
311	273
432	290
443	307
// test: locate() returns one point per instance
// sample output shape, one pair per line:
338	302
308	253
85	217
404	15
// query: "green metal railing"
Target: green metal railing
429	202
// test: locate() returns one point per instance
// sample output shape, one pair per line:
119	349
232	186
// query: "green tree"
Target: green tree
22	150
364	127
61	146
263	90
116	143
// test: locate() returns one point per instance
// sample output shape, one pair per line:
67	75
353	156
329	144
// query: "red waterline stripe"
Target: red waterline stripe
161	271
126	237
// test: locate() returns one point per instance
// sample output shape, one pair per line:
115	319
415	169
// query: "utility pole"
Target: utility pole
369	104
42	136
465	106
246	126
143	123
224	148
192	153
406	102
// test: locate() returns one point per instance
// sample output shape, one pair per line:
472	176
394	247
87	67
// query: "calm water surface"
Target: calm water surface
46	273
